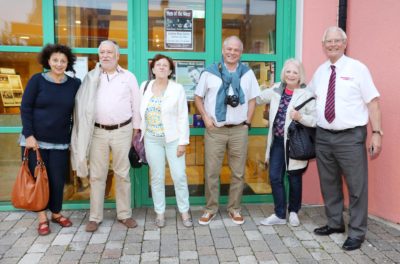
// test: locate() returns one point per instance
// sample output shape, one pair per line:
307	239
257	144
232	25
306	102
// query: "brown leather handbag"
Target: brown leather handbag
31	192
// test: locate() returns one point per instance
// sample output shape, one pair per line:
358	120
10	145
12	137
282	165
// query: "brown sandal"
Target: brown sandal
44	228
62	221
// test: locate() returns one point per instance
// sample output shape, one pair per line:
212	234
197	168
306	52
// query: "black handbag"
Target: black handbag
300	142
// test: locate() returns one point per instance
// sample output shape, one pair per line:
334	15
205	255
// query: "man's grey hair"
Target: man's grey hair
228	39
333	29
110	42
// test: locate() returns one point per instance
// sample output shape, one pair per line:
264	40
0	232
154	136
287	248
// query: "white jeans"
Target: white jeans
119	142
156	151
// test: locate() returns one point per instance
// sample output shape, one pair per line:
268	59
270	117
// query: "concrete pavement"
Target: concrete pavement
220	242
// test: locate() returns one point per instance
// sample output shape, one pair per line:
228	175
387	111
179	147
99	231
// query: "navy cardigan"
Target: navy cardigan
46	109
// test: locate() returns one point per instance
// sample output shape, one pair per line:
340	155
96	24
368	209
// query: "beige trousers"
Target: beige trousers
117	141
217	140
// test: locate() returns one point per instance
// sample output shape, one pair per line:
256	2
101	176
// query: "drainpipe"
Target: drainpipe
342	14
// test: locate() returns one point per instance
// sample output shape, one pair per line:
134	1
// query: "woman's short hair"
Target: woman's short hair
49	49
300	67
158	57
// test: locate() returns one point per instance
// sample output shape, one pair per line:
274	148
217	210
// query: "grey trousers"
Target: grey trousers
216	142
344	153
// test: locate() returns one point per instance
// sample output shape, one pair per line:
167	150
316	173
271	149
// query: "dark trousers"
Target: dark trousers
277	169
344	153
56	162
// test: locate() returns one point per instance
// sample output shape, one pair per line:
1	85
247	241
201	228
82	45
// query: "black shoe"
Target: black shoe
326	230
352	243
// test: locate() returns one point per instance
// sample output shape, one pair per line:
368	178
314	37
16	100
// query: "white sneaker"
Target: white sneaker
273	220
294	219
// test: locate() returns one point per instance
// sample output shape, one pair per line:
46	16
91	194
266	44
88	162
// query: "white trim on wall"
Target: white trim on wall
299	29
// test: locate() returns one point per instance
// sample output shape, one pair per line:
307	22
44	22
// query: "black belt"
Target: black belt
112	127
229	126
333	131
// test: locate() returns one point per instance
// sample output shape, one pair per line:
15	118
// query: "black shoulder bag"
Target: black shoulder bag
300	144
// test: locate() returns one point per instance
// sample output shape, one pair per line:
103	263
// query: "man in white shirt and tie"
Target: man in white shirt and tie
346	97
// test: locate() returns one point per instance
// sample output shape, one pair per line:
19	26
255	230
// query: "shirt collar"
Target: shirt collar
118	70
338	64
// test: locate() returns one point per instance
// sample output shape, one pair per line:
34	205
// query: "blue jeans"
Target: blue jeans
277	169
156	151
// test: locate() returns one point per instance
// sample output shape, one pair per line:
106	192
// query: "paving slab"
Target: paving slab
220	242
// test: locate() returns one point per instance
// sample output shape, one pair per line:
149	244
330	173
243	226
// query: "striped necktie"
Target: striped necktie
330	97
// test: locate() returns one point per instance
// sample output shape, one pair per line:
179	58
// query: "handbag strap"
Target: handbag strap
297	108
145	87
38	156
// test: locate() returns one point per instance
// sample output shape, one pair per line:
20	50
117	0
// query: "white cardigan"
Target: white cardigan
272	96
174	111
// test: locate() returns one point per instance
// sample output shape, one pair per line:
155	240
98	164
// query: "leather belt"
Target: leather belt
333	131
229	126
112	127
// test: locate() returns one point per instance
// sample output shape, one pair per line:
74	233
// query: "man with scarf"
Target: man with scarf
225	97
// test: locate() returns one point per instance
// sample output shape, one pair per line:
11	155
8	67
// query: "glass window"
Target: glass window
186	30
86	23
265	74
10	161
21	23
16	70
87	62
256	176
253	21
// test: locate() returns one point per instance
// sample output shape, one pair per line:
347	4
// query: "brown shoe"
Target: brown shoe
236	217
206	218
91	226
128	222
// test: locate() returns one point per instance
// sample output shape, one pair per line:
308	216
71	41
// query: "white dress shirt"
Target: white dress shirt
354	89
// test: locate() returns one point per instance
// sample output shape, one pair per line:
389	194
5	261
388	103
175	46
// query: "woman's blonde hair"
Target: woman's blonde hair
300	67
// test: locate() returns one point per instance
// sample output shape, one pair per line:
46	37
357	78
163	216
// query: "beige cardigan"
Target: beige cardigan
272	96
83	119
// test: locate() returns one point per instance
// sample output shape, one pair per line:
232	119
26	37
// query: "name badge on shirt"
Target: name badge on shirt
346	78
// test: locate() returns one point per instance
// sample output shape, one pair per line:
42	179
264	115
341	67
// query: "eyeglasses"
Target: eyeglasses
333	41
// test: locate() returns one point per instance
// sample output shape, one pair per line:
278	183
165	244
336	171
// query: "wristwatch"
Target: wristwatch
247	124
380	132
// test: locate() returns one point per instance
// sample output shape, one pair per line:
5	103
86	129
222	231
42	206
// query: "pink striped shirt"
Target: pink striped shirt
118	98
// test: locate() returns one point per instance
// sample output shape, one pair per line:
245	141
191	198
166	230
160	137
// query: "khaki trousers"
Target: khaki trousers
217	140
117	141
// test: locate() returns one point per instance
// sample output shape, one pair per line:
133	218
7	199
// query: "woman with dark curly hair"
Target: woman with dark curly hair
46	114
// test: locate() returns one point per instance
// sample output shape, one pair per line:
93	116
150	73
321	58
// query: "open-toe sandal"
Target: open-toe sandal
62	221
43	228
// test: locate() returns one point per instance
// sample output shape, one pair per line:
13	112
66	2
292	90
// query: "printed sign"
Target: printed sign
188	74
178	29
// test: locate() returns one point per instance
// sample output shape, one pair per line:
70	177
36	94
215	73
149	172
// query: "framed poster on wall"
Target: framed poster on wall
178	29
10	90
188	74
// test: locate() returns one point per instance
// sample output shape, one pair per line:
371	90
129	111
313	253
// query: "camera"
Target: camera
232	100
